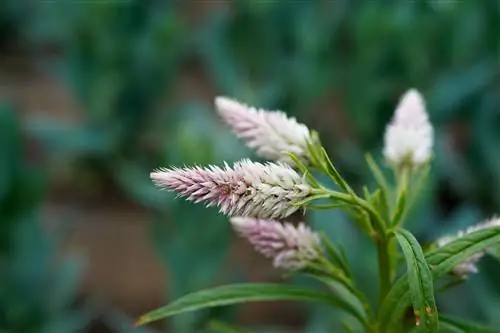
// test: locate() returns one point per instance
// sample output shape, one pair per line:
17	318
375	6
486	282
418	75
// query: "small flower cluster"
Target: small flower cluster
469	266
255	194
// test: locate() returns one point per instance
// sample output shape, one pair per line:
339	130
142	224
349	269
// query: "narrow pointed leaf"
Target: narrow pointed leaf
353	303
441	260
465	326
237	293
420	282
377	173
400	209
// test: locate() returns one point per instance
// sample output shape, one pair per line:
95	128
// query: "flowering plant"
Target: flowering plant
259	197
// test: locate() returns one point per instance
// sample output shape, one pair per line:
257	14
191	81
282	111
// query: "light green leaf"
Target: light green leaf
330	169
400	208
237	293
303	168
464	326
441	261
420	282
352	300
338	257
377	173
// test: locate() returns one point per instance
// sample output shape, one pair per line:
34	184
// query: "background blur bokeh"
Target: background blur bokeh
95	94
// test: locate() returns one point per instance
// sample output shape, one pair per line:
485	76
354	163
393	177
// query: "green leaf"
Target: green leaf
330	169
464	326
420	282
400	208
352	300
338	257
441	260
377	173
303	168
237	293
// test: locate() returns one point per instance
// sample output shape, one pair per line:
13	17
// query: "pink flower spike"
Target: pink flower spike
290	247
246	189
270	133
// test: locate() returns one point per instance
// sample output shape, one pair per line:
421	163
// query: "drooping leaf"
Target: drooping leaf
464	326
237	293
420	282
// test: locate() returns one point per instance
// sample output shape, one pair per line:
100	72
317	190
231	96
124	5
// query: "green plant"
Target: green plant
258	195
38	289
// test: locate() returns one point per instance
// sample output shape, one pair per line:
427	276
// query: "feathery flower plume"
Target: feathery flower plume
270	133
409	137
290	247
247	188
469	265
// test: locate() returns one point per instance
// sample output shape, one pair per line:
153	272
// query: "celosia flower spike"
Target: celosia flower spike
270	133
247	188
290	247
409	137
469	266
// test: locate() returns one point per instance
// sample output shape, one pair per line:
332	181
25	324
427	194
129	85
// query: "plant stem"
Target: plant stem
384	261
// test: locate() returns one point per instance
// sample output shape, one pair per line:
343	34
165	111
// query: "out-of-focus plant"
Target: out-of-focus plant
120	60
259	196
38	288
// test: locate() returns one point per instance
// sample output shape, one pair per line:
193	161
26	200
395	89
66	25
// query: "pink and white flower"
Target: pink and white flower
269	190
270	133
409	137
290	247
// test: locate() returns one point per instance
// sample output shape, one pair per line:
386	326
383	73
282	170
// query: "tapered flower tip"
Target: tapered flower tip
409	137
291	247
411	109
271	134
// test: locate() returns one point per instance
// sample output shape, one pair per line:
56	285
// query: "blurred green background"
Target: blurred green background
95	94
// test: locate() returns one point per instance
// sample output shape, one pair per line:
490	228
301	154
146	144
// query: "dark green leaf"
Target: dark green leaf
236	293
465	326
441	261
420	282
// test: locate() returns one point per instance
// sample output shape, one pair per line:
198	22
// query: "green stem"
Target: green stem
384	267
403	179
357	201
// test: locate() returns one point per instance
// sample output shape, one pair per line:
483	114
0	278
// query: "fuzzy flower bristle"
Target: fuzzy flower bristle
469	266
270	133
290	247
253	189
409	138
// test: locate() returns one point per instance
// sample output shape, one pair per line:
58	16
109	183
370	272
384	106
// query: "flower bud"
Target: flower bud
408	138
290	247
270	133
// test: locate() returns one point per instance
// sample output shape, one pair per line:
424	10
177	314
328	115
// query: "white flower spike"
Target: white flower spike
290	247
270	133
269	190
409	137
469	266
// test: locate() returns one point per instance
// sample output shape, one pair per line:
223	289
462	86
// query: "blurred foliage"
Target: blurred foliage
37	289
339	66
